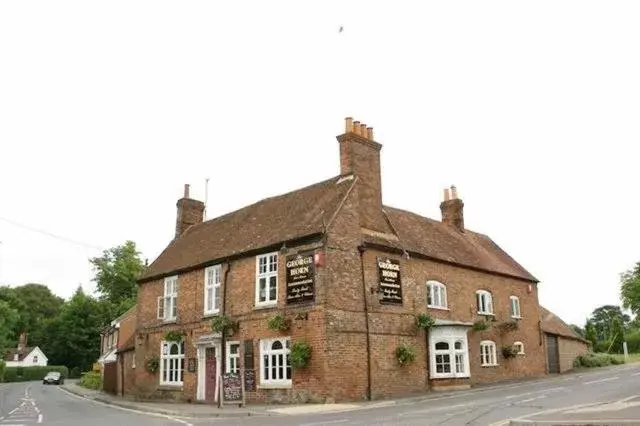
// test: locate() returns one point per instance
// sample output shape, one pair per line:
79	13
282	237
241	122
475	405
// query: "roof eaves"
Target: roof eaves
342	202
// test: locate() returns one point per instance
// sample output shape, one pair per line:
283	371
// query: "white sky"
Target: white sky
531	109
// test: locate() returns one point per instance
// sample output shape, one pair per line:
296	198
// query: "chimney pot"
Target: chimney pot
363	130
356	127
370	133
186	190
454	192
447	196
348	125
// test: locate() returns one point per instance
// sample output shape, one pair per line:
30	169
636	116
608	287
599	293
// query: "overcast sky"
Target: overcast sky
531	109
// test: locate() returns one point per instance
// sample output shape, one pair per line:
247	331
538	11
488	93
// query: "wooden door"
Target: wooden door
552	354
210	375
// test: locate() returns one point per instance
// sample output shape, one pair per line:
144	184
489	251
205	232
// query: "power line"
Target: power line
52	235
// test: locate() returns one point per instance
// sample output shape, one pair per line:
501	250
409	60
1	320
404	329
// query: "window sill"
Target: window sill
270	305
516	318
487	314
440	308
170	387
450	376
211	314
489	365
170	321
284	385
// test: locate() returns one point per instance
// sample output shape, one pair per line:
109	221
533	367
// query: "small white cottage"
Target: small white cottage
24	356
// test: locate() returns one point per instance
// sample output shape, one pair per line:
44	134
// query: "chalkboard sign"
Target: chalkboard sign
232	389
390	282
191	365
250	380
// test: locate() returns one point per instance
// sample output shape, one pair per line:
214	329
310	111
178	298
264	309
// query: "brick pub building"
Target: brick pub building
350	275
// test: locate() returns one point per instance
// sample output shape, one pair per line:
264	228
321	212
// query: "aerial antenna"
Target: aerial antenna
206	196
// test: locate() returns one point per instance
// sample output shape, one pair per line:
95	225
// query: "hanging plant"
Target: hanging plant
300	354
509	351
224	325
279	323
405	354
480	325
507	326
173	336
424	321
152	364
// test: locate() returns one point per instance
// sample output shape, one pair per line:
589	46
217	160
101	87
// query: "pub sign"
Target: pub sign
300	278
390	282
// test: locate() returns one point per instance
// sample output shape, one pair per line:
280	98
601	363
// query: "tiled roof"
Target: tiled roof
432	238
128	345
552	324
271	221
10	353
307	212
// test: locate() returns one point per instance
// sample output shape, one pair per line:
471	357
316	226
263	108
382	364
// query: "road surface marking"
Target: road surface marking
144	413
636	374
531	399
325	423
39	418
601	380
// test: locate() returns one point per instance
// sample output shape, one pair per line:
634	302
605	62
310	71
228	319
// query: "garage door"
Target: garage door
552	354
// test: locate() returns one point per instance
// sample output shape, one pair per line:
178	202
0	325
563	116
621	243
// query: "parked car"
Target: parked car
53	377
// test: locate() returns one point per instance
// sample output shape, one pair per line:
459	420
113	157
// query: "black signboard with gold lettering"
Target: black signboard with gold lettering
390	282
300	278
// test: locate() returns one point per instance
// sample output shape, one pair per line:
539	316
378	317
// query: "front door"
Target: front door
210	375
552	354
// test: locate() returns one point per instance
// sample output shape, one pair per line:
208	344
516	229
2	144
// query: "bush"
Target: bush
91	380
74	373
405	354
591	360
3	367
26	374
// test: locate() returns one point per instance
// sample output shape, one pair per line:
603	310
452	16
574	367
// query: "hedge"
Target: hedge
91	380
26	374
591	359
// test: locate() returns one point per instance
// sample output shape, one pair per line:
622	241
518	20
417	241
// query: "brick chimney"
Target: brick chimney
360	155
452	209
190	212
22	342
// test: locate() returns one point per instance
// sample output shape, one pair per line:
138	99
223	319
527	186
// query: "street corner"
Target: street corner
619	412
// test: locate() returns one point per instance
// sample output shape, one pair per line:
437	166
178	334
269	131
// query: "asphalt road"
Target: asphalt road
28	404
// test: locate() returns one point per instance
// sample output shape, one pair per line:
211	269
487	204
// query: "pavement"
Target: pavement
608	395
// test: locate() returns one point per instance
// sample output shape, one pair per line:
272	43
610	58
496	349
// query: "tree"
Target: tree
630	289
577	329
617	336
590	333
116	274
8	319
73	337
602	319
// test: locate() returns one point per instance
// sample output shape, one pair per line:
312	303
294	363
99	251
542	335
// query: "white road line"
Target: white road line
601	380
330	422
39	418
532	399
144	413
636	374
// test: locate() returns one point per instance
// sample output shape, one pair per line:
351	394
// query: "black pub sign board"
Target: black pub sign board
300	278
390	282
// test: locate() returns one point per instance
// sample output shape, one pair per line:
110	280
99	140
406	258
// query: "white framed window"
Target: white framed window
267	279
35	359
488	353
172	363
168	302
436	295
485	302
275	361
449	352
212	280
515	306
233	357
520	347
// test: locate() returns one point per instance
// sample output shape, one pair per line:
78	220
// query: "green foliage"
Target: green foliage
603	319
590	333
405	354
633	341
116	272
509	352
173	336
91	380
300	354
74	373
152	364
3	368
591	360
279	323
9	319
630	289
578	330
617	337
223	324
424	321
26	374
480	325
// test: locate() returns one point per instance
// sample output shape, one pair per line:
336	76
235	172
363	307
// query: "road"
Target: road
33	403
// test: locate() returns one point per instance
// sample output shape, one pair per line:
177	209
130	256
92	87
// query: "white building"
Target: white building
24	356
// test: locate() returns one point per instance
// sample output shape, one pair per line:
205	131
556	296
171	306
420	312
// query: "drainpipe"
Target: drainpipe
223	340
366	322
